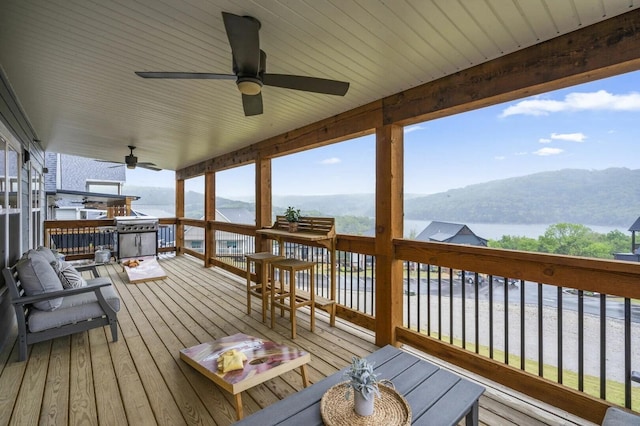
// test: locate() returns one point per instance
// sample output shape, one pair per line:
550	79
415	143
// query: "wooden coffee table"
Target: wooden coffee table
265	360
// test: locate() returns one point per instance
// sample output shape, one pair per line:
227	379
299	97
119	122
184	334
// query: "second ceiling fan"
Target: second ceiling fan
249	68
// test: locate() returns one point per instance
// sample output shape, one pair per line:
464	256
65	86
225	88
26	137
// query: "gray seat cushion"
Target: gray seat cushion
79	307
618	417
37	276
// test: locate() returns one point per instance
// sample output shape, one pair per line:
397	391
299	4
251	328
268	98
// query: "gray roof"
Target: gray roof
75	171
635	226
235	215
447	232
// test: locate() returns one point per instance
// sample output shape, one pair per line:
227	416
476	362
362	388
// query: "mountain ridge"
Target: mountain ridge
608	197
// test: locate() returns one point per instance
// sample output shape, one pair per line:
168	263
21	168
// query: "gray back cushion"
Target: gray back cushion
47	253
37	276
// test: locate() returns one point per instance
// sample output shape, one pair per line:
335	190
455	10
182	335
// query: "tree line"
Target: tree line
570	239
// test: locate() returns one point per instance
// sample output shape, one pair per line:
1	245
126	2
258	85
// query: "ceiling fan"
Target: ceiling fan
132	161
249	68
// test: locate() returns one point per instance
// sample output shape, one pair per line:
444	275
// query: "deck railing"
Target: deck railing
561	329
79	239
557	320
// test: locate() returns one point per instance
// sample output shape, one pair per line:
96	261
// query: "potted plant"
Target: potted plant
293	217
364	383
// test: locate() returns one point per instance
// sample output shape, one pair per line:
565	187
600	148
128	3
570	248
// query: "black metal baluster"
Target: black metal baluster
580	340
491	316
603	343
506	319
451	305
439	303
408	297
418	310
560	334
350	267
540	334
627	352
522	325
477	311
464	309
428	300
358	281
373	286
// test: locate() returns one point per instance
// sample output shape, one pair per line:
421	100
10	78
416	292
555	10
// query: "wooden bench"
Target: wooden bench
325	226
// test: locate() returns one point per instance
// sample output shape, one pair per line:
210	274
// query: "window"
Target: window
104	187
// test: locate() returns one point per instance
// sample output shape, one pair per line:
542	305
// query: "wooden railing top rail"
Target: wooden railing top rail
611	277
78	223
316	225
236	228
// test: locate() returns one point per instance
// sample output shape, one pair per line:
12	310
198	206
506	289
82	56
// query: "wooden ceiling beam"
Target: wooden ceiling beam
605	49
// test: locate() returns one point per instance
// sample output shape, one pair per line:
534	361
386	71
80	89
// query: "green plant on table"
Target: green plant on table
361	378
292	214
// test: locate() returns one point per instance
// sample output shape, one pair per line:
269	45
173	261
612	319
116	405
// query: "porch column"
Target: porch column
209	215
179	215
389	215
263	200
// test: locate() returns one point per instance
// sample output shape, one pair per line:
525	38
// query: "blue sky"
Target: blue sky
590	126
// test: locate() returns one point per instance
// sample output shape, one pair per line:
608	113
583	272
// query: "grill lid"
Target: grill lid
136	224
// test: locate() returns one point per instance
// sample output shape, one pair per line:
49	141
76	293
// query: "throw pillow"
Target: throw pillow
37	276
69	276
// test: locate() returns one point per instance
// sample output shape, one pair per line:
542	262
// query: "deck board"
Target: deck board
140	379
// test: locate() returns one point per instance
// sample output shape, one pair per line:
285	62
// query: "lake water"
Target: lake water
495	231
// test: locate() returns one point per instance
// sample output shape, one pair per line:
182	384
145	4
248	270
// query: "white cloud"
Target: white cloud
573	137
500	157
521	153
413	128
544	152
544	140
333	160
600	100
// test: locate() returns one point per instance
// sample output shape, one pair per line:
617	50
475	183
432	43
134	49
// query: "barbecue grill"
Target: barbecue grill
137	236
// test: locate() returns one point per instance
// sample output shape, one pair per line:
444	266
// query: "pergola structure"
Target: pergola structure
68	86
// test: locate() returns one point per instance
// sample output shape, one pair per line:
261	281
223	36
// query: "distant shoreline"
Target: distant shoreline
495	231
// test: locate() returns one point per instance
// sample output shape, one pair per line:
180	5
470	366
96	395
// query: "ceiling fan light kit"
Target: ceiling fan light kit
249	86
249	68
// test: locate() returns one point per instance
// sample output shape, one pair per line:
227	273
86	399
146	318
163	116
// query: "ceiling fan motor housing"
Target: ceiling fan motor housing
131	161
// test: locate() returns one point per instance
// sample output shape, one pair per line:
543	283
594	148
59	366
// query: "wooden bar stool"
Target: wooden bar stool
280	294
260	289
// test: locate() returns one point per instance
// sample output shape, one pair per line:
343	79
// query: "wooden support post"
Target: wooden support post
389	206
179	215
263	201
209	215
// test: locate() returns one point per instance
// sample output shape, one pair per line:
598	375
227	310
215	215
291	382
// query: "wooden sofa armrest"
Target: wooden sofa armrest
95	287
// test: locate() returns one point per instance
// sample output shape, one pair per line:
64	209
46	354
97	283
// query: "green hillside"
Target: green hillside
608	197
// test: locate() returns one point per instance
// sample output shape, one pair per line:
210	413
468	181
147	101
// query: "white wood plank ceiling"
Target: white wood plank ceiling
71	63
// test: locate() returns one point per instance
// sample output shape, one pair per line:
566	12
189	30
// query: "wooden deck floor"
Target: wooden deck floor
140	380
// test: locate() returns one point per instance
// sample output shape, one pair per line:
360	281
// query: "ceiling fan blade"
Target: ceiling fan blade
242	32
308	84
252	104
149	166
185	75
